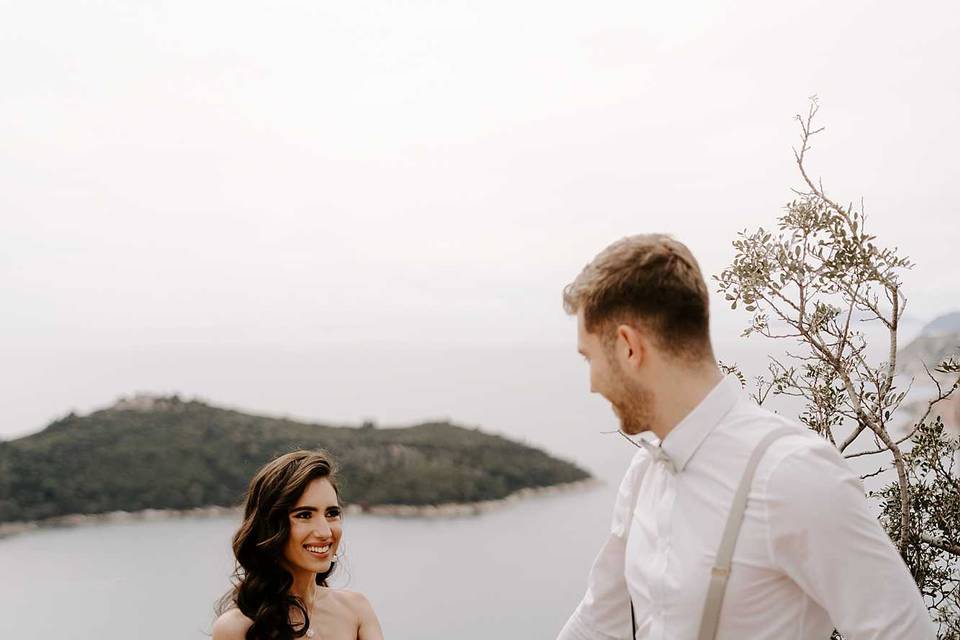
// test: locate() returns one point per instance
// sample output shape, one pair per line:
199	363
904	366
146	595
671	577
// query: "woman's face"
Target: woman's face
315	529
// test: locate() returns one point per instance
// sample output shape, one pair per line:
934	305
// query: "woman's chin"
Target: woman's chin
321	565
310	565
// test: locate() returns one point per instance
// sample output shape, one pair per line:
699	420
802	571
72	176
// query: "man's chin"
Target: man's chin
629	427
632	429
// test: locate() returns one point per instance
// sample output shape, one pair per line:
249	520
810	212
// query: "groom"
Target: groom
809	556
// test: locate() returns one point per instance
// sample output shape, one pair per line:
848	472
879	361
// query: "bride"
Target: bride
285	550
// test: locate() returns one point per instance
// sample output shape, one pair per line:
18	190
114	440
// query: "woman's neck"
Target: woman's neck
304	587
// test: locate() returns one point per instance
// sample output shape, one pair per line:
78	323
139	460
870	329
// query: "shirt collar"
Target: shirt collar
684	439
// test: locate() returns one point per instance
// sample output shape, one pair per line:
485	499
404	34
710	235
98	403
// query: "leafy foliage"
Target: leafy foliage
936	514
180	455
813	282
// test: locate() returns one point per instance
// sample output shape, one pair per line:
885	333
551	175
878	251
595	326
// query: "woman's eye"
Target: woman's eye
333	513
303	515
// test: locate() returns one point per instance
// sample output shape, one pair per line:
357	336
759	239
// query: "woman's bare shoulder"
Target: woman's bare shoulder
353	599
368	626
231	625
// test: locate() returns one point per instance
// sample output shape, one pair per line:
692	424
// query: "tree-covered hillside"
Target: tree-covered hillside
171	454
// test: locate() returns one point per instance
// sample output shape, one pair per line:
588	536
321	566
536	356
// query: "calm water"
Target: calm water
510	574
514	573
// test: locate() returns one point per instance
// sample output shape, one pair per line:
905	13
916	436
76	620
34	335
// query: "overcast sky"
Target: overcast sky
297	172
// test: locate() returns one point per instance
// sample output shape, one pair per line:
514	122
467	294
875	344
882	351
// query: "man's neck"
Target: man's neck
679	392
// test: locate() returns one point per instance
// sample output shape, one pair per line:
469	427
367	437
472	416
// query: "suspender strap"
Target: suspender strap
721	569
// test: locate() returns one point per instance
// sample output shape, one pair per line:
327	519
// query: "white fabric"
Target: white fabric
810	556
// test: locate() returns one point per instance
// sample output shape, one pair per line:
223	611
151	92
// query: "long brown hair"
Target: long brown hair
261	588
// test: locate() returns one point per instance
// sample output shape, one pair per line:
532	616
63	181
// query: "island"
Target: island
167	453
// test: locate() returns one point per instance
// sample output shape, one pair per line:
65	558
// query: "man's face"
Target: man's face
631	403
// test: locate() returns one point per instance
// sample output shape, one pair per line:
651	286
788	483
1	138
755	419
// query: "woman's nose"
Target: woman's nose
321	528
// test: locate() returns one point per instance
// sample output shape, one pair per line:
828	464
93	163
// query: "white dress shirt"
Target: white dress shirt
811	556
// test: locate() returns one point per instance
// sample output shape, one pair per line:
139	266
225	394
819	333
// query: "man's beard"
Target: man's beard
633	405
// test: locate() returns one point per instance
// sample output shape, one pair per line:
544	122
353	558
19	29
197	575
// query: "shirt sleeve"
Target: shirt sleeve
822	534
604	612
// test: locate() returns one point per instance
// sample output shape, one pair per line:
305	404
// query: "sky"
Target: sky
298	173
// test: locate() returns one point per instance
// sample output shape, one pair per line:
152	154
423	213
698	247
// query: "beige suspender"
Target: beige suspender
721	569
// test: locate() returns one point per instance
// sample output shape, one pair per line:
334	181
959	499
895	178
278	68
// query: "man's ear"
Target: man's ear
631	345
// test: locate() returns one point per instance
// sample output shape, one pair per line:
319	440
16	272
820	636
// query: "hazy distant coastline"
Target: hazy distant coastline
445	510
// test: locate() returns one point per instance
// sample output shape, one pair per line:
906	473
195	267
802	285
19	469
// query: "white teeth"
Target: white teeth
315	549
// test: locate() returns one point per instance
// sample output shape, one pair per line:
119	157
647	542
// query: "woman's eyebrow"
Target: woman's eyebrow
295	509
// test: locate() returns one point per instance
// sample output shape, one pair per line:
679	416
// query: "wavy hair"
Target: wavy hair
261	588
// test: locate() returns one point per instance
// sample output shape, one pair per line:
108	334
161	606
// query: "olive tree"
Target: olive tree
813	282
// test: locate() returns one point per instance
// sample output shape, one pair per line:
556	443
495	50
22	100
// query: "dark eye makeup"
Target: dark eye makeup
307	513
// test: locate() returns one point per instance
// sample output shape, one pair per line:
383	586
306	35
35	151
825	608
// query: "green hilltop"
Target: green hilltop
167	453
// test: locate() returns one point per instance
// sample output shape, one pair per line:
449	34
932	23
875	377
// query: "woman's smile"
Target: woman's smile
320	550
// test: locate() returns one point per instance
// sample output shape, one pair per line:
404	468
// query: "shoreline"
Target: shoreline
428	511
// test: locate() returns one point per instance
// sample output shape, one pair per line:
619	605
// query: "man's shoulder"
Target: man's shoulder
803	446
799	448
748	412
750	423
804	465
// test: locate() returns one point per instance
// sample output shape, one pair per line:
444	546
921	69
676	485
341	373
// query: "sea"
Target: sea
517	571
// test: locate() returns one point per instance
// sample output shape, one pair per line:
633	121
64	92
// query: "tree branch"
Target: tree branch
945	545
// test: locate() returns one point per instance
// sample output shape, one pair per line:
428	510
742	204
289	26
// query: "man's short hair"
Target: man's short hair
651	280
